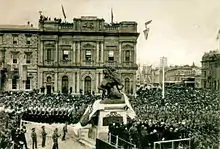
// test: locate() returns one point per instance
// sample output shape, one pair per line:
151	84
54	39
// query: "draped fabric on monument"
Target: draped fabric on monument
92	109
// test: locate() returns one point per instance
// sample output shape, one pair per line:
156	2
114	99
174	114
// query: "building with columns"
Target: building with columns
18	57
71	56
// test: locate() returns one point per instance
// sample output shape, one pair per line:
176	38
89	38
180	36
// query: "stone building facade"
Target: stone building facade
186	74
211	70
71	56
18	57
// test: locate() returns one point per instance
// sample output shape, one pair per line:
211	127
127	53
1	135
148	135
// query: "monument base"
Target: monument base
111	113
100	115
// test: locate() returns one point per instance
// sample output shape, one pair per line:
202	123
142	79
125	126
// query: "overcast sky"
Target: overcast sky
181	30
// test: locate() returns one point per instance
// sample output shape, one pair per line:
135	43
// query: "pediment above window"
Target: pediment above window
28	53
14	52
49	43
88	46
65	46
127	47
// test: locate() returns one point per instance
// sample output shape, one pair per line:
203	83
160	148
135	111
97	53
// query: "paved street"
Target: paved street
70	142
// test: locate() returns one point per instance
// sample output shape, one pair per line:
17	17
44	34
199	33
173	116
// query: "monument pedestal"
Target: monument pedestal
110	113
102	114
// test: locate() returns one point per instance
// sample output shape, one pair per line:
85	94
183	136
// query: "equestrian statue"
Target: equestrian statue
111	85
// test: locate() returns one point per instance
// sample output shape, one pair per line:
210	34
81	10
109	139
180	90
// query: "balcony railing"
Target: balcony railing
49	62
88	62
65	61
111	63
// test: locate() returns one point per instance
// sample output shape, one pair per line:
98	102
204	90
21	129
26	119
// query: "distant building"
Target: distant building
211	70
187	75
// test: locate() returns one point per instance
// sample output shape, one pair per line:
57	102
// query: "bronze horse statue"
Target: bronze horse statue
110	81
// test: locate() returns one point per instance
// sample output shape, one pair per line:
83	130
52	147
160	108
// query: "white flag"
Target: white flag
146	32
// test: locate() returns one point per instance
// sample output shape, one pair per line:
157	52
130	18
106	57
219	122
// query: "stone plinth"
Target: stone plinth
101	114
110	113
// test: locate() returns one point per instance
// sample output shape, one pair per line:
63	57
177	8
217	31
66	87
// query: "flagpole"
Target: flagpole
217	38
163	88
112	17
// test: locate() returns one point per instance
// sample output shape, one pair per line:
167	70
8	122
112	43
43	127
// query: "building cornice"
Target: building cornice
87	67
71	33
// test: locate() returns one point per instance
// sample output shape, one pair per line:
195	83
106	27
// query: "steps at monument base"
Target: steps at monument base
89	143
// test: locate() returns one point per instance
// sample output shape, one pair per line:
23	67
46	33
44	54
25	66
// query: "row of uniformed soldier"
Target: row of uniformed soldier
48	115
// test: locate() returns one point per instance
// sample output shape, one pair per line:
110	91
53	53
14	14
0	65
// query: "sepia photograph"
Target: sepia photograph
109	74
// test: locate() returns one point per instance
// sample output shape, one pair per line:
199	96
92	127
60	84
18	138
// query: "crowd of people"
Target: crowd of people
183	113
11	132
52	108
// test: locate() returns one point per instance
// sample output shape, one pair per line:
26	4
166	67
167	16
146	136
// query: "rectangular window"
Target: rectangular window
28	40
15	59
65	55
49	55
15	39
214	85
204	84
110	56
99	81
76	82
204	73
127	56
218	85
28	58
88	56
28	83
14	83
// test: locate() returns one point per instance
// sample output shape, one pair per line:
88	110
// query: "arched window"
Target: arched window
65	84
28	83
87	85
127	85
14	83
48	79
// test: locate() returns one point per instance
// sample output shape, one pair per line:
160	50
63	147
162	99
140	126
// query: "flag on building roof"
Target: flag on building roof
64	14
112	16
218	35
